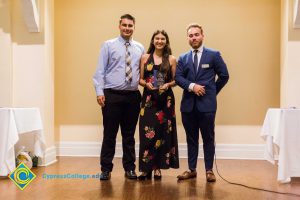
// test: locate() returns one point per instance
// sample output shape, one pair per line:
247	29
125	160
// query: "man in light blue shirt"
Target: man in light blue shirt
116	83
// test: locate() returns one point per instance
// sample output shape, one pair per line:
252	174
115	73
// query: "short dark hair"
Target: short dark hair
127	16
194	25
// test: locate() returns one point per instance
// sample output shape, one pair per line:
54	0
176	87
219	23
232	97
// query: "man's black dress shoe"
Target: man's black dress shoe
105	175
130	174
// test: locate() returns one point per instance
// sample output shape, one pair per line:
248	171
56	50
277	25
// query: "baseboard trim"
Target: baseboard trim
223	151
49	156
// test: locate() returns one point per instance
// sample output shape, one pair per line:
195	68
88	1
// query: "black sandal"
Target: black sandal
145	176
157	176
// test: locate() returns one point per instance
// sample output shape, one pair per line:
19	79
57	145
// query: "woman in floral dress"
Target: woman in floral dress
157	124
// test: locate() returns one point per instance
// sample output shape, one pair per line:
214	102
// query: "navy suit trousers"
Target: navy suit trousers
205	122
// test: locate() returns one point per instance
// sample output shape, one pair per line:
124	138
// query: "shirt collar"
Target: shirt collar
123	41
200	49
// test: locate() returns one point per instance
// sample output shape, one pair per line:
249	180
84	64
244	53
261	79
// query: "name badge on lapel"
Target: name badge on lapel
205	66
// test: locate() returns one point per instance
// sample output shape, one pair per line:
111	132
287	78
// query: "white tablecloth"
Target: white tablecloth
14	123
281	131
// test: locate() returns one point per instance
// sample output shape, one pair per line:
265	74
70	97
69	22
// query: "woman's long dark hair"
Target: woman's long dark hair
165	66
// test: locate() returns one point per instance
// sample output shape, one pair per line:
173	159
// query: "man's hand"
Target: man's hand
164	86
199	90
101	100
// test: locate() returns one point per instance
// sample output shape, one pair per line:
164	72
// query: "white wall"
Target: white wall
290	59
26	65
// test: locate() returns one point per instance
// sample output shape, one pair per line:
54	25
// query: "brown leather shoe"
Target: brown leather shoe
187	175
210	176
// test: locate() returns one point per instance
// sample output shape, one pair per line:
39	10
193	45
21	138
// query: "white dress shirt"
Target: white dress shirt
199	54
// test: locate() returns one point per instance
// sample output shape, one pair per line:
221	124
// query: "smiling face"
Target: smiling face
159	41
126	27
195	37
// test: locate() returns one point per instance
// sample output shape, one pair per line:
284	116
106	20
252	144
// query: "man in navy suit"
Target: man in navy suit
202	74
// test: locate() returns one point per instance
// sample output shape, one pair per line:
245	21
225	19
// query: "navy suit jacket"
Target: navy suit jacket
212	73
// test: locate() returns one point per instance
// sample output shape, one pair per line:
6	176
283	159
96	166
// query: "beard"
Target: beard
195	44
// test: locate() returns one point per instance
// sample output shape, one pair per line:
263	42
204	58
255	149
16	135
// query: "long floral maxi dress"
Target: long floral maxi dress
157	125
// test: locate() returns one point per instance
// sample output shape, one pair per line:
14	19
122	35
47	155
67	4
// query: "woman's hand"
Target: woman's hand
149	86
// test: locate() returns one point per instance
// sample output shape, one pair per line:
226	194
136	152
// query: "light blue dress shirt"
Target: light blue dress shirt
110	72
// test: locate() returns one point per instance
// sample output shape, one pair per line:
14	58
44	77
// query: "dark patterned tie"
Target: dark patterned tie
128	68
196	60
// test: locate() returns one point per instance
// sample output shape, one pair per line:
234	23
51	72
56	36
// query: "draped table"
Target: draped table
15	124
281	131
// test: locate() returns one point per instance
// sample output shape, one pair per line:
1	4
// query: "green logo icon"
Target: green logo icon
22	176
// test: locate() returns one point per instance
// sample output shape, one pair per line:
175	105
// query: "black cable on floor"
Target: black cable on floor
250	187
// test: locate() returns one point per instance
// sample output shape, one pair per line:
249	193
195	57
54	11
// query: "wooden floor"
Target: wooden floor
253	173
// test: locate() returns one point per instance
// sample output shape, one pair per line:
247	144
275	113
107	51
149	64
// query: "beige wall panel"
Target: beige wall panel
5	55
247	34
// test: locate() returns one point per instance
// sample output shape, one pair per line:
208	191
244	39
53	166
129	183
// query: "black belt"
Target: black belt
120	91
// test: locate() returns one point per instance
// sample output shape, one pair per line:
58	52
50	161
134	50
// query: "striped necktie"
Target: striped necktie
128	68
